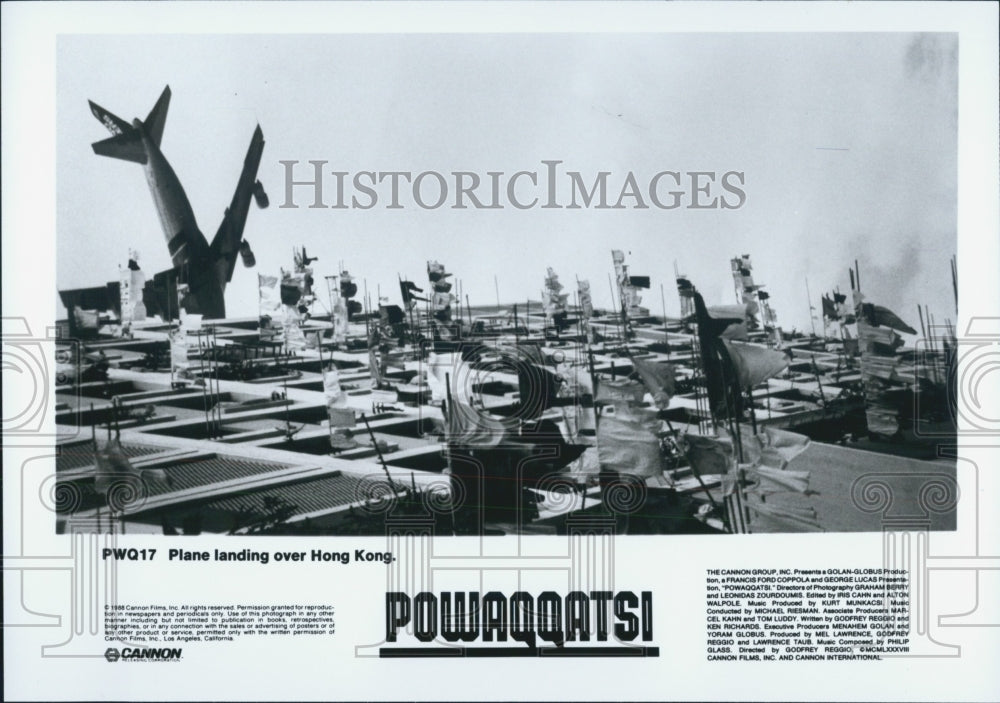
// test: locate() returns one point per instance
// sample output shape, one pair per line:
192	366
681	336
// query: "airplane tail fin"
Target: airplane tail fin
126	141
115	124
158	116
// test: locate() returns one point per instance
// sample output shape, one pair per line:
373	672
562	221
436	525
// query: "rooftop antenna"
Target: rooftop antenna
812	320
367	311
954	281
378	451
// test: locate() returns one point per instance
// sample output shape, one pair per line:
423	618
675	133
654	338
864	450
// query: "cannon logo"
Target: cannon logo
130	654
456	624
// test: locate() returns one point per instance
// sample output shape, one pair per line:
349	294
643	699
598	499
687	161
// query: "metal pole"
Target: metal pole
288	421
218	382
409	308
378	450
367	310
930	328
614	305
663	302
819	385
205	389
954	281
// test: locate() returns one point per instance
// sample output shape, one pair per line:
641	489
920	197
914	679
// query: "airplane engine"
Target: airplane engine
260	196
246	254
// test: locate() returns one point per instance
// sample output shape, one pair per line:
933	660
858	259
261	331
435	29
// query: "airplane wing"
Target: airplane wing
226	244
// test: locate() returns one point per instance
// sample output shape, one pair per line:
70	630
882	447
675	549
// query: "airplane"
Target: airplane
202	268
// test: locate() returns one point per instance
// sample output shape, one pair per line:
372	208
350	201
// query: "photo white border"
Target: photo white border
29	291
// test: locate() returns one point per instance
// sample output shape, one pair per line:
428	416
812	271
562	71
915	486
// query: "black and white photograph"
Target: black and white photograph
697	283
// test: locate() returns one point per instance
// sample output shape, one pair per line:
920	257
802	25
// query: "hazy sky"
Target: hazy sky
847	142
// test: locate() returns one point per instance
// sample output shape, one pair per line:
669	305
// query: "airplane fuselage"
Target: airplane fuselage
200	270
184	240
189	250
